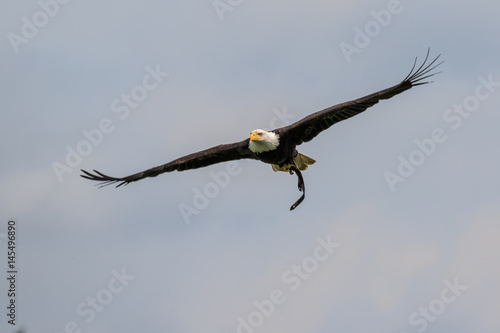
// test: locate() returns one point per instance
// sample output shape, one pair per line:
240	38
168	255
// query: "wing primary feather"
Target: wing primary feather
104	179
420	74
412	68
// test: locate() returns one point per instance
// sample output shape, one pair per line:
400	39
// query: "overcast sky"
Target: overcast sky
400	225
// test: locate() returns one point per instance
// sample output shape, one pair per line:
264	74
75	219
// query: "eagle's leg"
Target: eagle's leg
301	185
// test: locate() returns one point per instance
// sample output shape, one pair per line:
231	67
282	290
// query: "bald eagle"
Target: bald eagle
278	147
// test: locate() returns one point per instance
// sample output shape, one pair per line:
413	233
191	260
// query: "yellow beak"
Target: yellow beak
254	136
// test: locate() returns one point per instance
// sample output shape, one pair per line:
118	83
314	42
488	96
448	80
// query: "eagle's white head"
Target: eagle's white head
262	141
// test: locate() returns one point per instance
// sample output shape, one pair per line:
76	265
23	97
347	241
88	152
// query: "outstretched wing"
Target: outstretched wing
307	128
217	154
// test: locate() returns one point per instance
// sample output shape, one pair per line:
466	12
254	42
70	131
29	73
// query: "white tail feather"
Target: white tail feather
302	161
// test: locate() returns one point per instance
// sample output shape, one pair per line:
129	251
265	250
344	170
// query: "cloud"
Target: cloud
474	260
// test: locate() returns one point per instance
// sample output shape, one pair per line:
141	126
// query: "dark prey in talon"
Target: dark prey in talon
278	147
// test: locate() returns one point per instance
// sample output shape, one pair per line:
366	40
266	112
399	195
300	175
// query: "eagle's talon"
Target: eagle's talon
301	185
